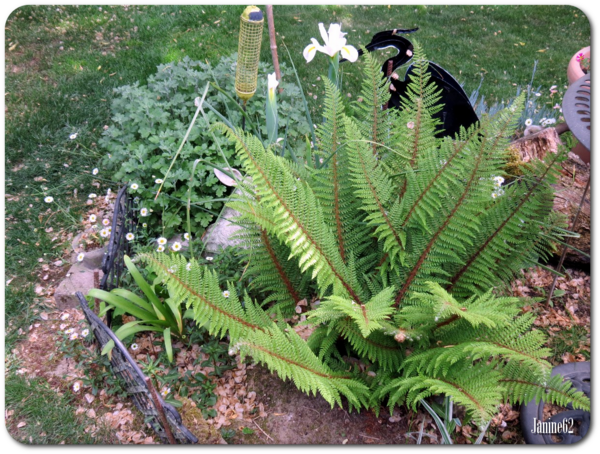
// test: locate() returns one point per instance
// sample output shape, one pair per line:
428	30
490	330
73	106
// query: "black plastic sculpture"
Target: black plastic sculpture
457	110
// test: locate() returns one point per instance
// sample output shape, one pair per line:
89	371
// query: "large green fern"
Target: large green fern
400	238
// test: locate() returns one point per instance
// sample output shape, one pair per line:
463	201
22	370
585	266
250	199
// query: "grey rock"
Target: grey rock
93	259
80	278
221	234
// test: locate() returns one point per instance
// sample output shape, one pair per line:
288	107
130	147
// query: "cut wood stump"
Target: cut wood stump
574	176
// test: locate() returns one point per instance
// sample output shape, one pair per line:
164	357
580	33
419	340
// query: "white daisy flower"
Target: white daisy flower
538	94
134	346
410	125
49	199
95	171
92	196
226	294
130	236
165	391
158	181
92	218
104	233
73	136
528	122
144	225
176	246
162	241
209	258
85	332
160	248
80	257
498	180
70	331
188	266
105	222
64	316
144	212
494	195
134	186
74	336
186	236
76	387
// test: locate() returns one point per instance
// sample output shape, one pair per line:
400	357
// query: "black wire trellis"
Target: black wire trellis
136	385
124	221
162	417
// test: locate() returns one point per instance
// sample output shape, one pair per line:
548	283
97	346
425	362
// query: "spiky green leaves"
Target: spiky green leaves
297	215
289	355
438	308
374	122
374	187
474	388
369	317
199	287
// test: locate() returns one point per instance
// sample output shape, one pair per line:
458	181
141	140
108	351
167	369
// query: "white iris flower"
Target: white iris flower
334	42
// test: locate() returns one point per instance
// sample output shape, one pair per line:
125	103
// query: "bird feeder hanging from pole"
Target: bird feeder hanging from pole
246	73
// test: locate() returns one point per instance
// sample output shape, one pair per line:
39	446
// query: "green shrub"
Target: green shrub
150	122
405	236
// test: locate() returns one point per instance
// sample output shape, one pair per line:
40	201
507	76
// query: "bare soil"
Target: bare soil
296	418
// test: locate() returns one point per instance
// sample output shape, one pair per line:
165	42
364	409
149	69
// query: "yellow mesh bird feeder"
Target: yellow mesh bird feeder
246	73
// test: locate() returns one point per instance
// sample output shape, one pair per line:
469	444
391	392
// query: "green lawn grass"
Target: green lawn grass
62	63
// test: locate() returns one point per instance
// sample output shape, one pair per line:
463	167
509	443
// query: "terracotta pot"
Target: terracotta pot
574	71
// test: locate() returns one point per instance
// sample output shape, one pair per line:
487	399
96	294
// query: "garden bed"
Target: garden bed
256	407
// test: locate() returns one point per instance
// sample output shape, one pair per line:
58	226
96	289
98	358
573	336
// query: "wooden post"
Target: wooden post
390	68
160	411
273	43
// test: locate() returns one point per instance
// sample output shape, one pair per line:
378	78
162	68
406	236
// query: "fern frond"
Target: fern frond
376	191
377	347
288	355
523	386
368	316
374	122
322	341
460	217
509	230
415	133
296	213
475	387
199	287
517	342
437	308
332	184
270	271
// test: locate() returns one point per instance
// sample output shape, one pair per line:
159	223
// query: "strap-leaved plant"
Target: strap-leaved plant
399	237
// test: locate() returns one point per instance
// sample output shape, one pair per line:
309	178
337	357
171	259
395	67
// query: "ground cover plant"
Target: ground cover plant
63	62
149	123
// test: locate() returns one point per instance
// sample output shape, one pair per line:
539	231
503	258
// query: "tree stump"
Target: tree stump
574	176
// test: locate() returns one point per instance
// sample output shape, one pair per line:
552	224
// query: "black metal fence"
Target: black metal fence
162	417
